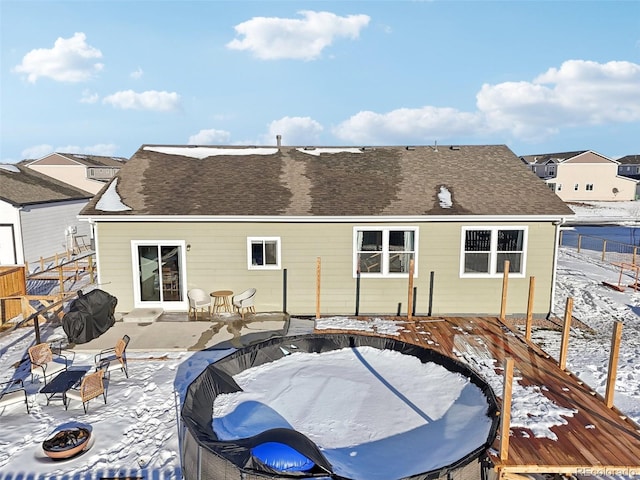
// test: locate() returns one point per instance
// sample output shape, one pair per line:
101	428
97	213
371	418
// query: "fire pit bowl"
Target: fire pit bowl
66	443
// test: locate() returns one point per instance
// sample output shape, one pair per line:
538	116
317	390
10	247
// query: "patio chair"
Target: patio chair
198	300
114	358
43	361
93	385
243	302
13	392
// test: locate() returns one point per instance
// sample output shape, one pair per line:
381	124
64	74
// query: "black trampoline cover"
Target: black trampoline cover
89	316
217	378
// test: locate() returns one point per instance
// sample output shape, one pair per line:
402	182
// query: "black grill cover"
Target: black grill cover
89	316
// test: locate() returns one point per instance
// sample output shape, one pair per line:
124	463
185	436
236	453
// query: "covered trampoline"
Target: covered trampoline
229	432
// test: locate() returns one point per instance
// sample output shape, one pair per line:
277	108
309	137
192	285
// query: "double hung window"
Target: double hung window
384	251
484	251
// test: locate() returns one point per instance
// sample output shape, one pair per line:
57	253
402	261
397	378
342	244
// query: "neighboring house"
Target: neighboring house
582	176
87	172
38	215
629	166
231	218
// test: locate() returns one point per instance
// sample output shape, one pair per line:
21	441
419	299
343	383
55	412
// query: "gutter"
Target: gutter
321	219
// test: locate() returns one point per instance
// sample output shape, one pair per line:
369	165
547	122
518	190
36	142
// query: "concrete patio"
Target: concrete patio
176	332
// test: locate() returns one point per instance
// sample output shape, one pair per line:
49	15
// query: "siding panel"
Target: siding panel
218	260
43	227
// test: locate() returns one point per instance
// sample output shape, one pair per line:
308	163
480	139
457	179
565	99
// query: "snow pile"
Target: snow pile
438	416
375	325
444	197
204	152
110	201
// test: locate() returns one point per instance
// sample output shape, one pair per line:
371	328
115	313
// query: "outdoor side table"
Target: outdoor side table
62	383
222	301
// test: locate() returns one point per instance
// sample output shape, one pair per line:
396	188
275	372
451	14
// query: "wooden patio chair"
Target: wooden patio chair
93	385
13	392
43	361
243	302
114	358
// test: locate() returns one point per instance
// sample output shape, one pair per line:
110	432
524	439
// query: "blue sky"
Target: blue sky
105	77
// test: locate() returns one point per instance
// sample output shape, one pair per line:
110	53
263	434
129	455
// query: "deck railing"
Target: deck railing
602	249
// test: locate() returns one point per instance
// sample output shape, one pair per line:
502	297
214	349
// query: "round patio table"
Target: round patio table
222	301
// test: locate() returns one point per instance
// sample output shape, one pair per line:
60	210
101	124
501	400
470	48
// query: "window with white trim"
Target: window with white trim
385	251
589	187
263	253
484	251
576	187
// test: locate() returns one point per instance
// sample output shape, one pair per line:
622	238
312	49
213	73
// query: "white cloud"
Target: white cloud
39	151
579	93
294	131
149	100
210	137
424	124
89	97
70	60
137	73
105	149
271	38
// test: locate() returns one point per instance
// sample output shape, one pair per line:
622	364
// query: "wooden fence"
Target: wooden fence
15	299
12	284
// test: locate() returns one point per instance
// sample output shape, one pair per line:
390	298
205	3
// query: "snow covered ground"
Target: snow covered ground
135	434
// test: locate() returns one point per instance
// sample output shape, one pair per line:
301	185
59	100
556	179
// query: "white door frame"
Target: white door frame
182	305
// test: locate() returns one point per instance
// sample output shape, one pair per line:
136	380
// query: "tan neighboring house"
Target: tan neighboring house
582	176
87	172
232	218
38	215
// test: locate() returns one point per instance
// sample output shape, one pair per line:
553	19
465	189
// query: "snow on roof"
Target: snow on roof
318	151
204	152
445	197
10	168
110	200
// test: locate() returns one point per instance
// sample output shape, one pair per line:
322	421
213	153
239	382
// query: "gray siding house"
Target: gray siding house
38	215
629	166
231	218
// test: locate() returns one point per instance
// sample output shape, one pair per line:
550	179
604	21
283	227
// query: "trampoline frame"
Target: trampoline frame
229	460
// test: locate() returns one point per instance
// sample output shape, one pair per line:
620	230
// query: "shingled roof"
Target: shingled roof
629	160
327	182
84	159
20	185
543	158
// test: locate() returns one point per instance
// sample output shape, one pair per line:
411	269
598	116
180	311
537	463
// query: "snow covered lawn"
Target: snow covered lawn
136	432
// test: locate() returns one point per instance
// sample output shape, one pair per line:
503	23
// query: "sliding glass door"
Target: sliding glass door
159	274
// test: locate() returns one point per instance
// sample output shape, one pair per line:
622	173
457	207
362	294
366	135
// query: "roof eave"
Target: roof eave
324	219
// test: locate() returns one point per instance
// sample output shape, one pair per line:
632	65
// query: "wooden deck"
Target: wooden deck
595	440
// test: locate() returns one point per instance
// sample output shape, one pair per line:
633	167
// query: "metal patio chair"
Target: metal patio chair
114	358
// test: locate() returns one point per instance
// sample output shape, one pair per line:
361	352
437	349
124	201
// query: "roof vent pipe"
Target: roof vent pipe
279	140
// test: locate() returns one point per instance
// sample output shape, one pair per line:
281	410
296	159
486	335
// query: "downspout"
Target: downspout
93	231
556	249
